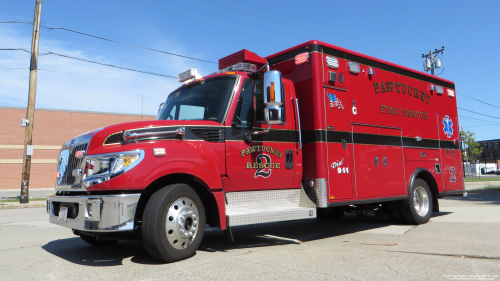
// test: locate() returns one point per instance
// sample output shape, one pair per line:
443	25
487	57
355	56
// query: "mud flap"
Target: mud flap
229	234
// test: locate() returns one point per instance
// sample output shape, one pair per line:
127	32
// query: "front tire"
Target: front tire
417	209
173	223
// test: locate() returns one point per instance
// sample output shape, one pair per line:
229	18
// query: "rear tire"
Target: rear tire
417	209
173	223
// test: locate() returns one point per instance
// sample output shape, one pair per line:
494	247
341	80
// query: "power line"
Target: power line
461	116
326	29
110	65
296	30
110	40
478	113
128	44
13	49
94	62
478	100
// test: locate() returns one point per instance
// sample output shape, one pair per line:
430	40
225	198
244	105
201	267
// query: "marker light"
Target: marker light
161	151
301	58
354	67
272	92
439	90
451	93
332	62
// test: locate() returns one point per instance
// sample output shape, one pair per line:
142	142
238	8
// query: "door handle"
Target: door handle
384	161
376	160
289	159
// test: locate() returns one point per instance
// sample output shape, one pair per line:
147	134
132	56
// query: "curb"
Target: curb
483	183
17	205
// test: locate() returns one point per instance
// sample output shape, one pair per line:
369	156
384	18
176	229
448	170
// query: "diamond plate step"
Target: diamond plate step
252	207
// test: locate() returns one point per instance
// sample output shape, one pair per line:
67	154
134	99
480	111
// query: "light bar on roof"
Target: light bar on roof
241	66
190	74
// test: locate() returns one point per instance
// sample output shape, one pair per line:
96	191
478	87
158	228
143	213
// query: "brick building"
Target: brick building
491	151
52	128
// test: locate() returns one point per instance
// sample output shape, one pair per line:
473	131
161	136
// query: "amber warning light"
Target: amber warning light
272	92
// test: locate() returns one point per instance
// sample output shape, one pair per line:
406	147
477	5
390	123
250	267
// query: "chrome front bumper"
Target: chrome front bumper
97	213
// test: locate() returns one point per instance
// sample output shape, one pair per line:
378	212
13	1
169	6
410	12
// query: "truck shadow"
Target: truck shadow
77	251
293	232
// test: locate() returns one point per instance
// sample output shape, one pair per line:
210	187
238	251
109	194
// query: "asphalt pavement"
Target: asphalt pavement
459	243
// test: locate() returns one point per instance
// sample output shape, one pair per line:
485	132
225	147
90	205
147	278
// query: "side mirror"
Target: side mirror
161	106
272	97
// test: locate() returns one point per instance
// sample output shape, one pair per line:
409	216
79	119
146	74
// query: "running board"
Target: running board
253	207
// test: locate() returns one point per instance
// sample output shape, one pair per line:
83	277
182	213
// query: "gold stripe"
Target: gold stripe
41	147
265	141
33	161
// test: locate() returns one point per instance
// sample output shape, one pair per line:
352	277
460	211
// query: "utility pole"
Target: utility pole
30	112
430	62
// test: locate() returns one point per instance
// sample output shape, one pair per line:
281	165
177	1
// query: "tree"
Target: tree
472	149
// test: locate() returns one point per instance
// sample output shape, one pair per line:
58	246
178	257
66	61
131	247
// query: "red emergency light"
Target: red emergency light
242	56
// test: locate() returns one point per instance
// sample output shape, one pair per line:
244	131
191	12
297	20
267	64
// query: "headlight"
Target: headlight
103	167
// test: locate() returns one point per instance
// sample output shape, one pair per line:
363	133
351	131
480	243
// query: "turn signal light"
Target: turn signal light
272	92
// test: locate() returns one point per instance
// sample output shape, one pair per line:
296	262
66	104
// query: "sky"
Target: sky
396	31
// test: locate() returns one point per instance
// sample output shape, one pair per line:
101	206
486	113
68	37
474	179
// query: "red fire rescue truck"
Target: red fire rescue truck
314	130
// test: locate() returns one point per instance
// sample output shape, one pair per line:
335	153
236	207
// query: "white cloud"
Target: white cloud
70	84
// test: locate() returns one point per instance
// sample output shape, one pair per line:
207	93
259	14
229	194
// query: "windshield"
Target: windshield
203	100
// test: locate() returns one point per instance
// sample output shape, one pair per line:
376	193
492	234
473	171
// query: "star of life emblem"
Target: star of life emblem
448	126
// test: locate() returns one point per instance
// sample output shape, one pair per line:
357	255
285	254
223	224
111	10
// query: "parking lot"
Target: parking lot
461	240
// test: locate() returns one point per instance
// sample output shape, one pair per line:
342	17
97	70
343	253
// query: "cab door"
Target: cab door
265	161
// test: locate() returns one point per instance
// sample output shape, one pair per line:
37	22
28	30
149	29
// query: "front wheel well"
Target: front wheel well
208	200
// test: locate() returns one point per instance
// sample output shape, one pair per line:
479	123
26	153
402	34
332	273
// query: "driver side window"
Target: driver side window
243	116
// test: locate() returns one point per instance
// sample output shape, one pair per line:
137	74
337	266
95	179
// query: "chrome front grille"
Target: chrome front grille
67	163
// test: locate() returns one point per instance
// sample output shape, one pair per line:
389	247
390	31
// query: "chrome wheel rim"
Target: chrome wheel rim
421	201
182	223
